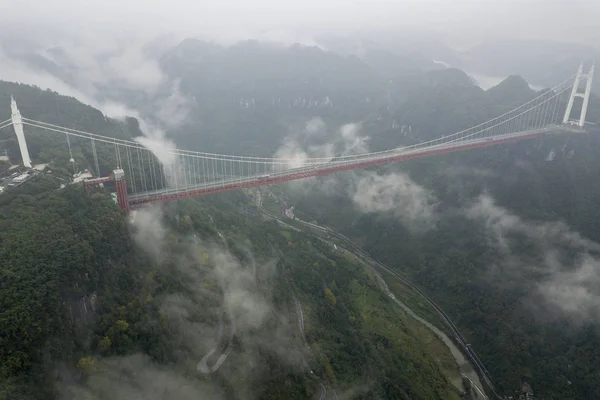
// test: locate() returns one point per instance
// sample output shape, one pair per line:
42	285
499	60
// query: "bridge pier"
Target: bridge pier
121	185
117	176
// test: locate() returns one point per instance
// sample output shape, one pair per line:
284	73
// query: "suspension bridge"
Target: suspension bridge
144	173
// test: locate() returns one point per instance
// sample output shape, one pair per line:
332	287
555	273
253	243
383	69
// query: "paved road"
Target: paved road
467	349
203	364
462	361
323	393
458	335
300	317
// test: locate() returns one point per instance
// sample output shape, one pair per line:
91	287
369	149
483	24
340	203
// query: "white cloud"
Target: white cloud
247	305
394	192
564	265
500	223
150	233
173	109
297	151
17	71
577	291
301	145
218	287
410	203
132	68
137	377
353	143
96	70
315	126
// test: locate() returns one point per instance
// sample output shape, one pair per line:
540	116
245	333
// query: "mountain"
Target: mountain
50	107
541	62
249	97
250	93
417	49
198	299
392	61
514	87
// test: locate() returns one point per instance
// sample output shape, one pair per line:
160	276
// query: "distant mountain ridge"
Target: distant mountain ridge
541	62
245	98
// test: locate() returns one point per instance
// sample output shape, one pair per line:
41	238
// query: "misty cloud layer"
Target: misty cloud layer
397	194
237	300
393	193
137	377
104	73
316	140
565	265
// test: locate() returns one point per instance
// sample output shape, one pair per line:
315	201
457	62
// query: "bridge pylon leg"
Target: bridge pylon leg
18	126
586	96
121	186
575	93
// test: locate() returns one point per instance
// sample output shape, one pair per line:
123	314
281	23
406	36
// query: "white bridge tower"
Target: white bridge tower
585	95
18	125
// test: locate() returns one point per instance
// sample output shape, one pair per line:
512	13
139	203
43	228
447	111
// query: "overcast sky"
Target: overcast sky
571	20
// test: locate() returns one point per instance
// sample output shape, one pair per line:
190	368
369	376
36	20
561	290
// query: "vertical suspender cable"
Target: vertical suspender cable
71	159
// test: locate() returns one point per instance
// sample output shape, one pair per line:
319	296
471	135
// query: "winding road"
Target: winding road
203	366
465	362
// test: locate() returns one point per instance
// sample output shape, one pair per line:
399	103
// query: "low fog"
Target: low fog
563	264
239	306
392	192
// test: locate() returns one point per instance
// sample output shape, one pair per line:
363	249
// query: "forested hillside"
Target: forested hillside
93	306
67	264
